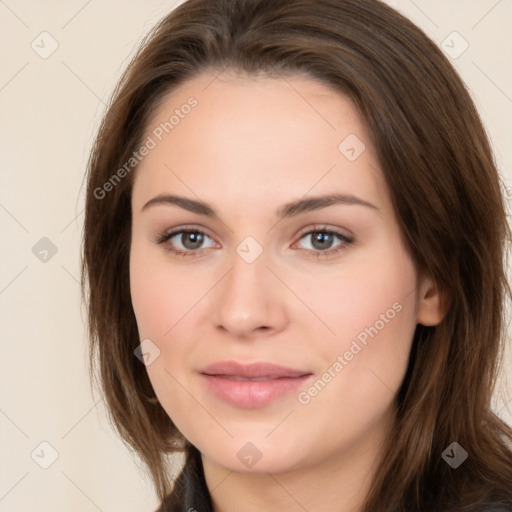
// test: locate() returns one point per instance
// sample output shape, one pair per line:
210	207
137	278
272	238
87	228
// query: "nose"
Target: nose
250	299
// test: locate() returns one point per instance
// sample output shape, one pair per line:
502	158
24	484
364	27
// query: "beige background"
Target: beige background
49	110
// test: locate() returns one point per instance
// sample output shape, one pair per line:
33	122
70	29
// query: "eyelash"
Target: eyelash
346	241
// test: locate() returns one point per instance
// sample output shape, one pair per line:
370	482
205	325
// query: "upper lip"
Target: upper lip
251	370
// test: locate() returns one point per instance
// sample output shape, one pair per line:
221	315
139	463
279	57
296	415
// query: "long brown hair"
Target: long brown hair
446	191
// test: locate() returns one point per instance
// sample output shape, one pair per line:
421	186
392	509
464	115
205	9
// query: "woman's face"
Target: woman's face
280	338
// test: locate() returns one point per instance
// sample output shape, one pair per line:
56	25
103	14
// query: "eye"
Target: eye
322	239
190	239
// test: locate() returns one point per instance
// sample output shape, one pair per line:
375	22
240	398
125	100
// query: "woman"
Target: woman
294	244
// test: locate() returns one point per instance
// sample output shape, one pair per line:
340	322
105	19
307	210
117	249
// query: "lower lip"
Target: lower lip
250	393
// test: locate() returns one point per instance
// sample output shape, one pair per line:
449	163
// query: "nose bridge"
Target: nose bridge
249	274
247	299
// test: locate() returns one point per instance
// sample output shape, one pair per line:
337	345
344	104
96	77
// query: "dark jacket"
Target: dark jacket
190	490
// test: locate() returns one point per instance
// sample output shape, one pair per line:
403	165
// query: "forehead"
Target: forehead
258	135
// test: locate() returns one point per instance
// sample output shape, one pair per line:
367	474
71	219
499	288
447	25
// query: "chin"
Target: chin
267	461
254	454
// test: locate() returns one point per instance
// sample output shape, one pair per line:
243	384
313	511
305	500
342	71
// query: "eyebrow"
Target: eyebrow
290	209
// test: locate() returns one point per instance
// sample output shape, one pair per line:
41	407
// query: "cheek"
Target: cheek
374	293
374	337
362	373
373	313
151	305
161	294
159	305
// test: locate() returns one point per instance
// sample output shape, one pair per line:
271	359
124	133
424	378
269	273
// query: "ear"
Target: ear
431	303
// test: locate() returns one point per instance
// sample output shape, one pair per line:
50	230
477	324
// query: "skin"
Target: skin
249	146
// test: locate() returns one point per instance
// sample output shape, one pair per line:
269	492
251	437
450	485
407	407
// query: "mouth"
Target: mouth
251	385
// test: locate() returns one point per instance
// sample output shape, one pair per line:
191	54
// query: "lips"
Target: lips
251	385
